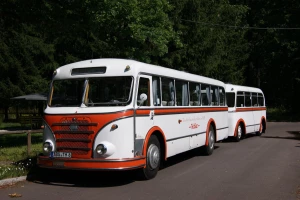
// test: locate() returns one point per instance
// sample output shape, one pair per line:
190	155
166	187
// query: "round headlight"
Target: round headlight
47	147
101	149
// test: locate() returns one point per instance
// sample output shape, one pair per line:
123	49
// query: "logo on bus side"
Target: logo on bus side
194	126
191	119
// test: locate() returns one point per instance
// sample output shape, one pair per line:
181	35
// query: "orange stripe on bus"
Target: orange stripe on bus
100	118
180	110
249	109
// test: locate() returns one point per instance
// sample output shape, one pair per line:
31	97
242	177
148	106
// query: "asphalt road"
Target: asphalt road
266	167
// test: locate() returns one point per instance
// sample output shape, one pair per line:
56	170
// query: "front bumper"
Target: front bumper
91	164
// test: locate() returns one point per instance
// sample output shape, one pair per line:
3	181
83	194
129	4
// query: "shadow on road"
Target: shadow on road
295	135
183	157
76	178
232	139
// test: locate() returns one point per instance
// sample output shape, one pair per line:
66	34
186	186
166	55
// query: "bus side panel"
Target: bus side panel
232	120
178	146
221	120
187	131
120	140
177	129
257	118
249	120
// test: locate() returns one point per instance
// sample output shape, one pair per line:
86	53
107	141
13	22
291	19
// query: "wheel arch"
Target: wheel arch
263	123
242	122
161	138
213	123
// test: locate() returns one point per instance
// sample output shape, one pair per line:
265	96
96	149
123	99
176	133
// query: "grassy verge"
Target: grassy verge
14	160
9	125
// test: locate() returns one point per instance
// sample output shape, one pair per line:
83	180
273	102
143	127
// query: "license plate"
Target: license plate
61	155
58	164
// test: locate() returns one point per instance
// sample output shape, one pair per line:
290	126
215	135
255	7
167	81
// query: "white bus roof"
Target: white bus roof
235	88
117	67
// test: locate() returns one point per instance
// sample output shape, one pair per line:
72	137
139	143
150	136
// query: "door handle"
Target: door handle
151	114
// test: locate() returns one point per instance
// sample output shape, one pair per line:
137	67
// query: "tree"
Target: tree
274	61
26	59
210	47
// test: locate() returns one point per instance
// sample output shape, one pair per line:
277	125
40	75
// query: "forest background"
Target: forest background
247	42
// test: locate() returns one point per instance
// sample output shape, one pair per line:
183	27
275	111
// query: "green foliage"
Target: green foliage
26	57
209	50
275	55
138	29
203	37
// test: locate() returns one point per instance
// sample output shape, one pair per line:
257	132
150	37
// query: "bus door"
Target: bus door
145	115
250	125
256	112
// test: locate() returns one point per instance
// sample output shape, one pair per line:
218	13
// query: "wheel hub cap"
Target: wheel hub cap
153	156
239	132
211	139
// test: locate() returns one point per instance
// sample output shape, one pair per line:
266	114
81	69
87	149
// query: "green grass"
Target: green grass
5	125
14	160
14	154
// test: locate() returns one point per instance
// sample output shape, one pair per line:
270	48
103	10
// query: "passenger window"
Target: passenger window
195	94
205	95
156	91
254	99
240	99
222	96
214	95
182	96
168	92
247	99
144	89
261	99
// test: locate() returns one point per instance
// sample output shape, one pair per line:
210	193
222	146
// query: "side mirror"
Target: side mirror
143	98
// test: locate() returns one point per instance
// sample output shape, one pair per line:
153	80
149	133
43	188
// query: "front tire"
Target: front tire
208	149
152	159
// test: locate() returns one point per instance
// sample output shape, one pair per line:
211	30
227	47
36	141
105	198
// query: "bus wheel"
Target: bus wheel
208	150
239	133
261	128
152	159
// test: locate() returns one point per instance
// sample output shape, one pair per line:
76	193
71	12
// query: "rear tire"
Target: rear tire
152	159
208	149
239	133
260	132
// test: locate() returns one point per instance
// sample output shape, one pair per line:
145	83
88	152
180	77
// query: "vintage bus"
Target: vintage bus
117	114
246	111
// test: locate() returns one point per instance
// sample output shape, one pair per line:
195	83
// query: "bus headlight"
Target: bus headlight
47	147
104	149
101	149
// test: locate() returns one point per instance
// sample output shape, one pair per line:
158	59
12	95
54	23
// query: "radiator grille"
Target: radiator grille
74	136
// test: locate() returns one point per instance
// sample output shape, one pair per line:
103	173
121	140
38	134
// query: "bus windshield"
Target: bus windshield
104	91
230	96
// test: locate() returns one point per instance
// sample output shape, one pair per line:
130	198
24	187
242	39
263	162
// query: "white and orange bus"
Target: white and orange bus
117	114
246	111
